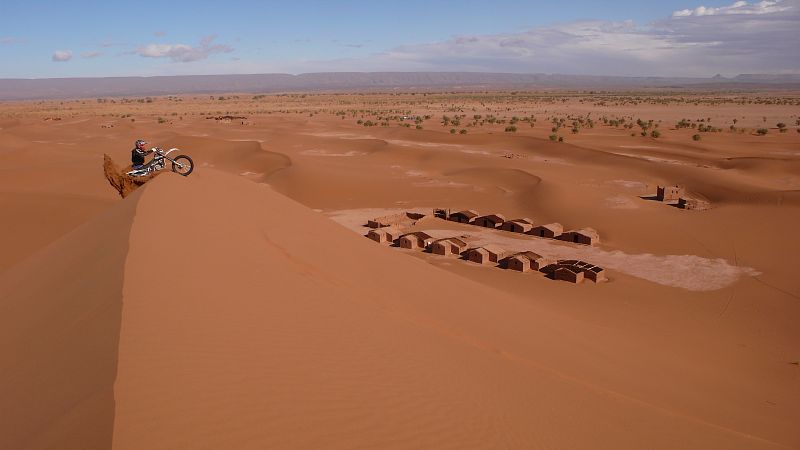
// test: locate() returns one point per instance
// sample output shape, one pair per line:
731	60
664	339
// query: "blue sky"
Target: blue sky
111	38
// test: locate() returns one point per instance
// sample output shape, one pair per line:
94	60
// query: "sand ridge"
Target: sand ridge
159	327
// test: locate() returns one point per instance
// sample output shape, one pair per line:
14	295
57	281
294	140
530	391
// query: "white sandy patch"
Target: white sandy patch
440	183
665	160
415	173
422	144
72	122
341	135
478	152
655	159
629	184
317	152
642	147
621	202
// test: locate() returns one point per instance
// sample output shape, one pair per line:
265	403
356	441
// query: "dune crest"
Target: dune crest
120	180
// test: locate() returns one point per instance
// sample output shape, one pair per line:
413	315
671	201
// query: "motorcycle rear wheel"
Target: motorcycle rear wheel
183	165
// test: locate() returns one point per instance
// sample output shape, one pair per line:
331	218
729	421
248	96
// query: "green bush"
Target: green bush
553	137
655	134
696	137
762	131
511	129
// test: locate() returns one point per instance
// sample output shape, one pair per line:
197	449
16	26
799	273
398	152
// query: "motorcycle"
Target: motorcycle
181	164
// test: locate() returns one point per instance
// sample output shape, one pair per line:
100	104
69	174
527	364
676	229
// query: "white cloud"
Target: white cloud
740	38
91	54
61	55
183	52
740	7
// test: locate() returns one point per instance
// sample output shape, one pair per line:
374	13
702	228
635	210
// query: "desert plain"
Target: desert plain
242	306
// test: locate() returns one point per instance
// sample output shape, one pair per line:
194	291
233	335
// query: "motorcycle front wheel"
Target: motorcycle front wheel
183	165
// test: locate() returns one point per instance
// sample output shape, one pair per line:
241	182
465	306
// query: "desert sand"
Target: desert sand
242	307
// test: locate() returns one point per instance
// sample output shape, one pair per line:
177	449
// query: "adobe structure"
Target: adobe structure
466	216
415	240
669	193
401	219
569	274
448	246
523	225
575	271
585	236
385	235
485	255
490	221
550	230
693	204
527	261
441	213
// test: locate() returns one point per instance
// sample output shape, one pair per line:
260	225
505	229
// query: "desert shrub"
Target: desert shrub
561	139
511	129
359	122
419	127
781	125
762	131
452	131
696	137
463	131
655	134
553	137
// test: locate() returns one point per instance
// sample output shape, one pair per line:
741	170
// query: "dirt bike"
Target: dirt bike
181	164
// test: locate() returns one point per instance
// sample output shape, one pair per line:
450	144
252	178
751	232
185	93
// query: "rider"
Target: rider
138	153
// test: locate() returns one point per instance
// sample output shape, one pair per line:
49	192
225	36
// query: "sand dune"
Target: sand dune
59	337
227	310
249	327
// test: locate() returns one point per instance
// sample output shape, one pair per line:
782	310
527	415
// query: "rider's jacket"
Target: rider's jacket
137	157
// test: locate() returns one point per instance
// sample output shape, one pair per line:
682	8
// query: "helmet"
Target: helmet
140	143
